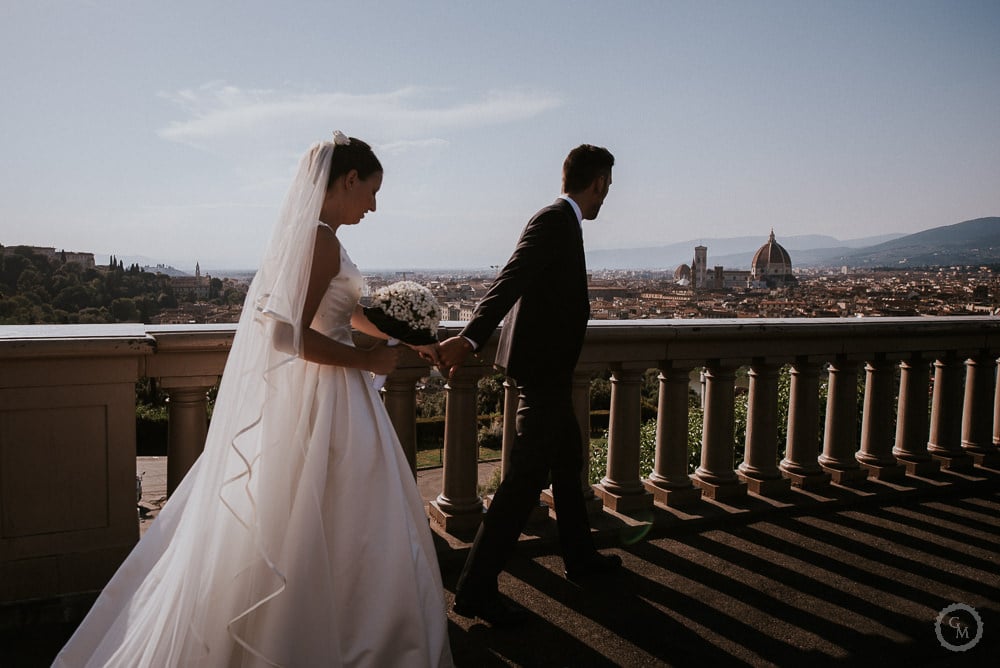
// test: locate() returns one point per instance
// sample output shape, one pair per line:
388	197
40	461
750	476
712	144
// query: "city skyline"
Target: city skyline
139	129
967	243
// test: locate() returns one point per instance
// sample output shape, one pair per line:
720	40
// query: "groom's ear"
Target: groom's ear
605	183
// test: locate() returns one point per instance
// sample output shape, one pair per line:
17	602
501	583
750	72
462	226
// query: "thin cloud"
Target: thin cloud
219	111
406	145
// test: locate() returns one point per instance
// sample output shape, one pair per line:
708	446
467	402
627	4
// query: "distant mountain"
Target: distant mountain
732	253
971	242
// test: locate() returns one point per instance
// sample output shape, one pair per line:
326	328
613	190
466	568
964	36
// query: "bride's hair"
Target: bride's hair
355	155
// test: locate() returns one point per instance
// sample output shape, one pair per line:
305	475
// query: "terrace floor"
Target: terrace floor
843	576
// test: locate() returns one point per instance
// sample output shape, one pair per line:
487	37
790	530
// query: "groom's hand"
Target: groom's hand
453	352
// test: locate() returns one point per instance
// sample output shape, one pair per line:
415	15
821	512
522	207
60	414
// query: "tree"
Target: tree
431	400
13	265
31	284
72	298
166	300
490	394
94	316
123	309
600	394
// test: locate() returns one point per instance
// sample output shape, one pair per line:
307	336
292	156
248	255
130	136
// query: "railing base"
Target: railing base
989	461
766	487
847	476
921	469
958	463
732	491
808	480
593	504
624	503
673	497
539	514
452	523
886	473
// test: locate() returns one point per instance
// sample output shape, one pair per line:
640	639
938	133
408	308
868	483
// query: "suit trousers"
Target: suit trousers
548	446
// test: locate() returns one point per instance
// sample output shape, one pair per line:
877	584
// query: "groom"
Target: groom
543	292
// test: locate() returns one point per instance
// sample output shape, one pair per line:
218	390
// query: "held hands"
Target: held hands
452	353
448	355
428	352
383	358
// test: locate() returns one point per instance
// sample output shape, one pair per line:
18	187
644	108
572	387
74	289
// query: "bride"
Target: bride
298	538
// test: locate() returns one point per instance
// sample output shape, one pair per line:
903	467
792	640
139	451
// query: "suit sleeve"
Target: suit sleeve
537	250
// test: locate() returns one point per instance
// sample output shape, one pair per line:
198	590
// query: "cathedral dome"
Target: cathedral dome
682	275
771	263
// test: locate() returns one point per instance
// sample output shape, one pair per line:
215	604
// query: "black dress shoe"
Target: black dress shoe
492	609
594	566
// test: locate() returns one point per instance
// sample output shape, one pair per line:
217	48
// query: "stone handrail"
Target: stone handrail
67	419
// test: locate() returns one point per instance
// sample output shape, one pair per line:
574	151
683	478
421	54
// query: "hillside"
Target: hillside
968	243
972	242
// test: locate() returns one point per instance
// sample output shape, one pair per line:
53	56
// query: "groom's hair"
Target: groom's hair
356	155
584	164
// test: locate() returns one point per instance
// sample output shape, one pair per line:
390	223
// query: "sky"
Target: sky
171	129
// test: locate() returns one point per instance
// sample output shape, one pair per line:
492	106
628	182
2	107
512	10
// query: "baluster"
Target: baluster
996	412
511	399
187	424
876	423
840	437
977	415
945	440
459	506
911	420
716	475
581	407
670	482
400	398
621	489
759	469
801	462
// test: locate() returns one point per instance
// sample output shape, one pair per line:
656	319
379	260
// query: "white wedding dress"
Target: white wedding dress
307	547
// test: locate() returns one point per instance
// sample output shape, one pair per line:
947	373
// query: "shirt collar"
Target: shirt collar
576	208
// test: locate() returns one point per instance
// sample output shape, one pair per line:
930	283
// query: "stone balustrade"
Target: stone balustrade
67	420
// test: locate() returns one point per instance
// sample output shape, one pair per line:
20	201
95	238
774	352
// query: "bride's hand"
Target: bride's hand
428	352
382	359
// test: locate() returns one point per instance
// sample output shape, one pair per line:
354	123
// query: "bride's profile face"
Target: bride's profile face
357	199
361	198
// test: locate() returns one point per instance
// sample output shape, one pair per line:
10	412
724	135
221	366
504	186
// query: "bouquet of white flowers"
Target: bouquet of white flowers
406	311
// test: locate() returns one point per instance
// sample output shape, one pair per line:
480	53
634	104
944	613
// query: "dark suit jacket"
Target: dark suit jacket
543	286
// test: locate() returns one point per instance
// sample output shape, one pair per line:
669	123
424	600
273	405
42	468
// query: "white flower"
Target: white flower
340	139
409	303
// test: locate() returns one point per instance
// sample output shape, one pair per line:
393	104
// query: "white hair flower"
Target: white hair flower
340	139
